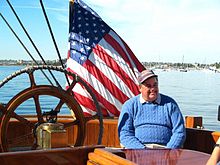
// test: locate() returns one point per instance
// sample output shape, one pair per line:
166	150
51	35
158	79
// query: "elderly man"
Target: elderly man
151	117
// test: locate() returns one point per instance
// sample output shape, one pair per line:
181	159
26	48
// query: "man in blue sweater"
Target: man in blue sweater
151	117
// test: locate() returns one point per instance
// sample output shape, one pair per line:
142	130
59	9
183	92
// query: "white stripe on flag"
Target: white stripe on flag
93	82
116	37
108	72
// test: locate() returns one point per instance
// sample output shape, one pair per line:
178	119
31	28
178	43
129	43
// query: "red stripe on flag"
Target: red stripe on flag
112	88
111	108
110	62
88	103
118	48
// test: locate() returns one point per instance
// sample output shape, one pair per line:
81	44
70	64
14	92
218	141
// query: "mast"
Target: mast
71	2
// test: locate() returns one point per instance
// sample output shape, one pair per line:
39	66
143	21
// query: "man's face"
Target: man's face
149	89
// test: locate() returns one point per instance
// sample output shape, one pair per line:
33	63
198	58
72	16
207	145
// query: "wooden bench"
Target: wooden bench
193	122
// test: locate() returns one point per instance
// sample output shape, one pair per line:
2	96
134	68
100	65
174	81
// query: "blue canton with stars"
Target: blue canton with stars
86	30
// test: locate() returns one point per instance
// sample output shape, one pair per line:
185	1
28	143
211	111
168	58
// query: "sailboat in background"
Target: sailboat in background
182	67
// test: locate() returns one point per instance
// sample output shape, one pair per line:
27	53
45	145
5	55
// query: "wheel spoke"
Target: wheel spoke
38	108
32	79
22	119
91	117
69	90
76	122
59	105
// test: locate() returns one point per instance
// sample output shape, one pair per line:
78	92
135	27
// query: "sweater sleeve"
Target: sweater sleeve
178	128
126	129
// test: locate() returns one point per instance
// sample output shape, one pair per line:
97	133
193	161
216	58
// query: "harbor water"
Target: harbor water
195	91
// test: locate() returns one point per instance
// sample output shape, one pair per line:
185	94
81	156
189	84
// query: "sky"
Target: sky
155	30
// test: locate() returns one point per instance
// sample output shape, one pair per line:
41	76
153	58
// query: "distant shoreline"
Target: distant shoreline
153	65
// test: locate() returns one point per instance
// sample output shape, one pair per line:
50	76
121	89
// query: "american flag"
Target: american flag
102	59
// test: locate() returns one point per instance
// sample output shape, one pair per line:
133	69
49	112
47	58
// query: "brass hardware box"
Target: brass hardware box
51	135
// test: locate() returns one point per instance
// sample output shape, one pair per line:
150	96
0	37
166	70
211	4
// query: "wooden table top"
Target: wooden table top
79	156
166	156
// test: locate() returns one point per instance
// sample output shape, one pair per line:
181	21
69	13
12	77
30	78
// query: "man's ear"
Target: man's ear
139	87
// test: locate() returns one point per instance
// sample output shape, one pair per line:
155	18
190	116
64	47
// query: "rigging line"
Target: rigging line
24	47
54	41
32	42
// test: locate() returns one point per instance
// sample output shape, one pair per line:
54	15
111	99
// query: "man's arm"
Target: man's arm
126	130
178	131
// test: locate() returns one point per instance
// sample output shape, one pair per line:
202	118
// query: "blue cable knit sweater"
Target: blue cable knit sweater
142	123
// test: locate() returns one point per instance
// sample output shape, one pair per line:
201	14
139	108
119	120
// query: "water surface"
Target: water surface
196	92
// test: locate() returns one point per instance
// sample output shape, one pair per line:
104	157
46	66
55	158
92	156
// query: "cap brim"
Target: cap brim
148	77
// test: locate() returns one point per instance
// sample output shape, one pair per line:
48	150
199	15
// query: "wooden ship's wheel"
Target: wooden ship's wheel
42	112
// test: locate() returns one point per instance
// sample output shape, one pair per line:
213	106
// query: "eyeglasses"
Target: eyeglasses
155	85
